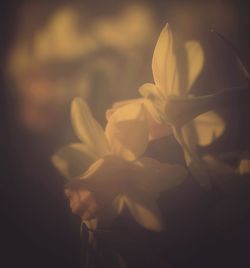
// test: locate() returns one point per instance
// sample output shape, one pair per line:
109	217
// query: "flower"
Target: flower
170	107
171	103
106	171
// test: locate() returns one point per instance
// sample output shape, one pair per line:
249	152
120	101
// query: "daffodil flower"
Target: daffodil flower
170	108
107	164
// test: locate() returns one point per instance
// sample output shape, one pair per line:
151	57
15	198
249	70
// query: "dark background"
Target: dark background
37	228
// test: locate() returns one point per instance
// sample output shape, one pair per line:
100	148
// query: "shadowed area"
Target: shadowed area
53	51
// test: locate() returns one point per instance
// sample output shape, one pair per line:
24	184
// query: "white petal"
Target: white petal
73	160
164	63
155	176
154	101
209	126
120	104
145	211
109	176
127	131
195	61
87	128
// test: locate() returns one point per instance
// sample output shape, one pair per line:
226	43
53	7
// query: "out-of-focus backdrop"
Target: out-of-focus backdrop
53	51
102	51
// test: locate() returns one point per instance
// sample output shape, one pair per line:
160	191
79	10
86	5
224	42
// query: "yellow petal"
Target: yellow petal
107	167
145	210
108	176
87	128
154	101
73	160
151	91
127	131
155	176
195	61
164	64
209	126
120	104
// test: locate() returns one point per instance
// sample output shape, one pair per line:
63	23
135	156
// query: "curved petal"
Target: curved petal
195	61
87	128
164	63
155	176
209	126
73	160
120	104
107	177
144	209
151	91
127	131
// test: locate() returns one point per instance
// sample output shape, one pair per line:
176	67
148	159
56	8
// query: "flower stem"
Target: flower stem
236	51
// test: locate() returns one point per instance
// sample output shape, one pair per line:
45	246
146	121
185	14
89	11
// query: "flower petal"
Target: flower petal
154	101
144	209
209	126
164	64
195	61
73	160
120	104
87	128
107	177
127	131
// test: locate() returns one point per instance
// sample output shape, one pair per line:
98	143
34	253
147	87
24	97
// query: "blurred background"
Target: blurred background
53	51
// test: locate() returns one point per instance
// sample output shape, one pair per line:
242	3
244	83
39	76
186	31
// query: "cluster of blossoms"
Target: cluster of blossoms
108	171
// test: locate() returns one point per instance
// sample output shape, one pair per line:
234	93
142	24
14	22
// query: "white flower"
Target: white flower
108	164
171	107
